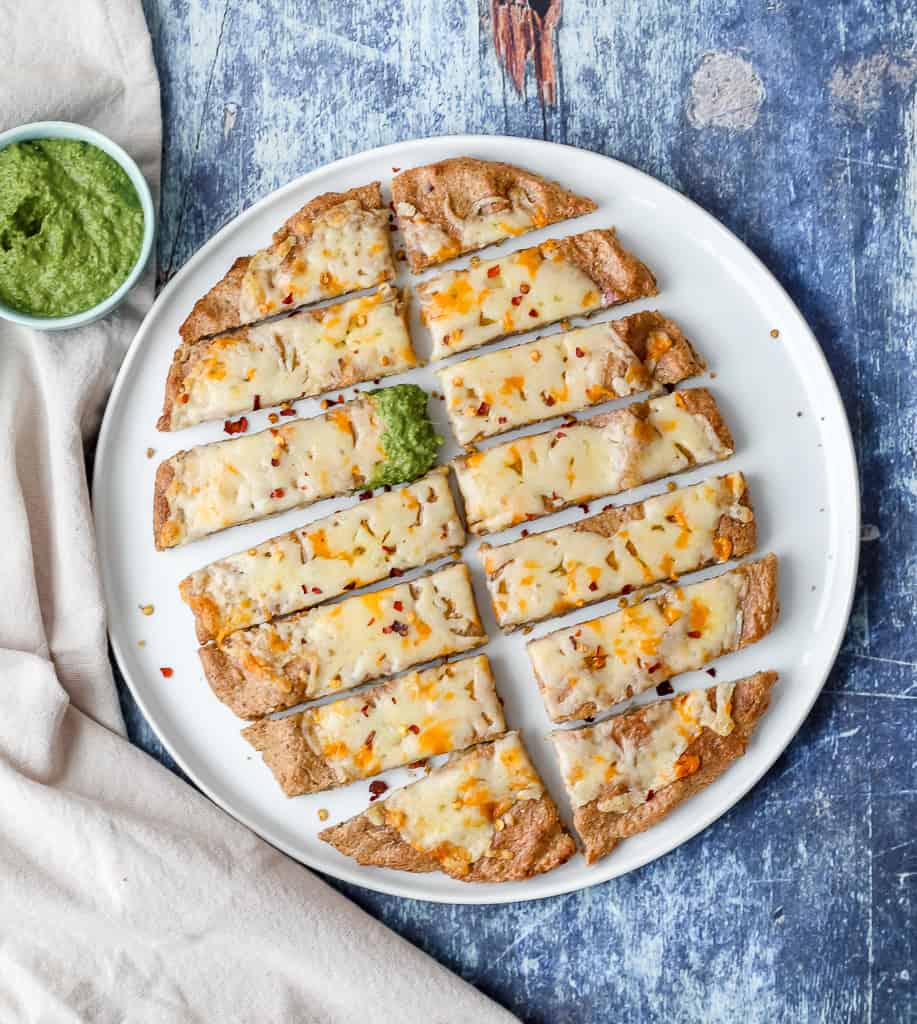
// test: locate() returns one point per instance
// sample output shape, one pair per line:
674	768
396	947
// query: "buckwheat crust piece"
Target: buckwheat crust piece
483	816
584	669
352	252
621	549
456	206
560	278
638	799
404	721
333	648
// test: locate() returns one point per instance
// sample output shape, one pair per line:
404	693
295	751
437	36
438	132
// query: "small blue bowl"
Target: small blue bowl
67	130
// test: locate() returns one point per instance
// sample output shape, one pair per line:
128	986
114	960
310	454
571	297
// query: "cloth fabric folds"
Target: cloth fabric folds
124	893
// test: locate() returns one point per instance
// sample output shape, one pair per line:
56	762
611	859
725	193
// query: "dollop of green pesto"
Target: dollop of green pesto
408	437
71	226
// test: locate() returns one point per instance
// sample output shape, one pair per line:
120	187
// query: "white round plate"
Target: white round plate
777	395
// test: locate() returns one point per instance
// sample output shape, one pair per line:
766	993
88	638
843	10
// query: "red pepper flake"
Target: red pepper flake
524	533
525	288
516	300
560	434
654	668
395	170
239	427
184	399
694	634
585	508
364	711
365	495
393	227
288	299
288	410
376	789
401	628
626	589
711	672
593	586
650	793
417	764
398	606
167	672
389	549
387	488
533	312
664	689
396	573
483	409
414	729
316	590
501	419
277	492
579	352
350	586
550	400
256	404
493	271
275	462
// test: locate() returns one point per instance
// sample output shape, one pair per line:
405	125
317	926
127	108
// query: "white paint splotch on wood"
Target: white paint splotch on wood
726	92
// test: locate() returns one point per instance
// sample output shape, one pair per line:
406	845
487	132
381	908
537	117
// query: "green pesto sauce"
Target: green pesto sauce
71	226
408	437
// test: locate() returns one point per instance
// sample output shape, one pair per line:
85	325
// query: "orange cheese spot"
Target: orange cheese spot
528	259
698	616
659	343
456	300
687	764
341	419
511	384
436	738
590	299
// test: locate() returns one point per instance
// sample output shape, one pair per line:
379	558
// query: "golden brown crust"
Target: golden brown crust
248	696
368	196
161	508
208	619
533	835
450	190
742	537
286	751
218	310
679	360
620	276
601	832
760	607
700	402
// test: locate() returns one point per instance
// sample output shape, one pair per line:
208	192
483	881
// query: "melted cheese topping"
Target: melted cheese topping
552	572
453	813
305	354
542	473
337	647
218	485
632	768
410	719
548	377
466	308
348	250
610	659
355	547
495	219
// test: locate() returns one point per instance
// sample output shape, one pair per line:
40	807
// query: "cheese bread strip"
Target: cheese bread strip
542	473
336	243
306	353
384	437
401	722
625	774
585	669
483	816
560	278
561	373
619	550
379	537
456	206
332	648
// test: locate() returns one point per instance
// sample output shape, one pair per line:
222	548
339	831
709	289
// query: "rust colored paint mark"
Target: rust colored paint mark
523	31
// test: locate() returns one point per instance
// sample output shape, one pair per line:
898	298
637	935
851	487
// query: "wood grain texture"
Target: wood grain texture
796	125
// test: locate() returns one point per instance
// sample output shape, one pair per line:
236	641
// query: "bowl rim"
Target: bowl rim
81	133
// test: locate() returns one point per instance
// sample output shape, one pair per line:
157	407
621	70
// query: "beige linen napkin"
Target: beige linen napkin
124	894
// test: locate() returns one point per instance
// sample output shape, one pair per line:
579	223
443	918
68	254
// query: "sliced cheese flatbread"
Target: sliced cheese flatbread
627	773
619	550
560	278
483	816
358	445
306	353
336	243
542	473
561	373
333	648
379	537
585	669
407	720
456	206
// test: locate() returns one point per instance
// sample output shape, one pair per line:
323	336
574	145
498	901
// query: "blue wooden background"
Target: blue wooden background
795	123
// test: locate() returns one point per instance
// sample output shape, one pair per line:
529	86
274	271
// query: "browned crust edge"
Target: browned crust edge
600	256
246	698
162	511
700	402
286	751
678	363
461	181
601	832
760	610
368	196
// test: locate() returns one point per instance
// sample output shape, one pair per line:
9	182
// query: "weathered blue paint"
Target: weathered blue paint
799	904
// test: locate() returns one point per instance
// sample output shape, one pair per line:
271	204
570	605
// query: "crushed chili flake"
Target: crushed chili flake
414	729
395	170
239	427
533	312
585	508
593	586
401	628
654	668
326	404
483	409
664	689
417	764
525	288
579	352
364	711
525	533
650	793
256	403
289	298
350	586
277	492
316	590
396	573
626	589
398	606
288	411
560	434
711	672
376	789
387	488
694	634
365	495
550	400
493	271
501	419
167	672
275	462
516	300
